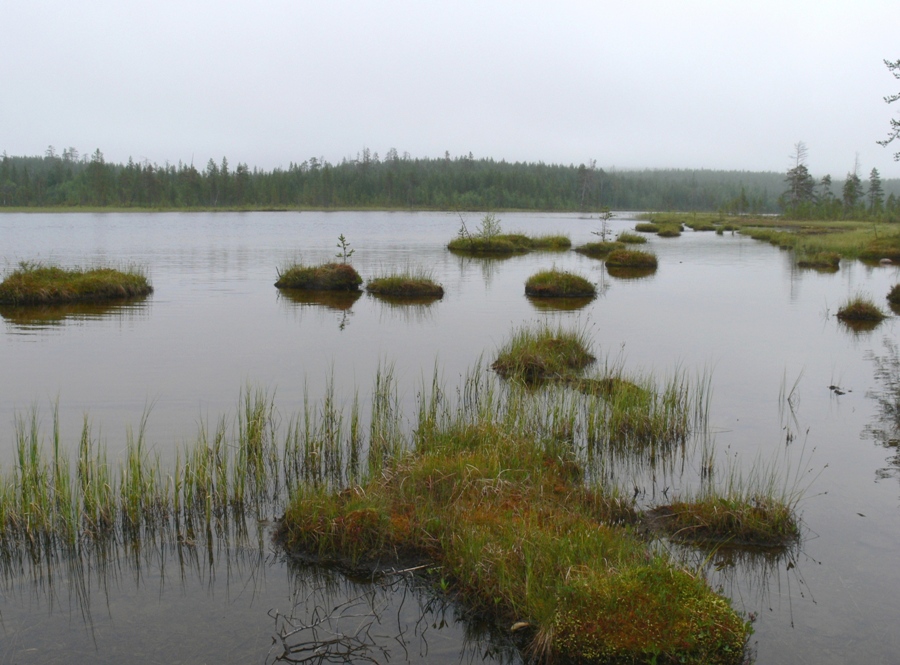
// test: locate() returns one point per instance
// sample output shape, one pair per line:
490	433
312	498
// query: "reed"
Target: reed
35	283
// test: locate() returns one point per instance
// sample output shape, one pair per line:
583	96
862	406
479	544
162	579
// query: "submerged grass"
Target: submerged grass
559	284
324	277
39	284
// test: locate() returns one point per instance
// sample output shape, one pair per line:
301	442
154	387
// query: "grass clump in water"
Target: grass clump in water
553	243
39	284
669	231
324	277
598	250
505	517
559	284
535	354
860	308
647	227
631	258
406	284
893	295
631	238
820	260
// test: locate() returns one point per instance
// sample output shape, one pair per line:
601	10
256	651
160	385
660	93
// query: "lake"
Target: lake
792	387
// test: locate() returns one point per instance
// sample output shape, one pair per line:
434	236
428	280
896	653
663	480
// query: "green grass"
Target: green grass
860	308
39	284
631	238
324	277
559	284
669	231
627	258
539	353
406	284
554	243
646	227
600	249
820	260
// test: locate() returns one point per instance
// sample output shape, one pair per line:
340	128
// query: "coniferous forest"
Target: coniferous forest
398	182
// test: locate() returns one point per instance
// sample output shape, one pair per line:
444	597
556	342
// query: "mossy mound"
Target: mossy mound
537	354
860	308
38	284
820	261
559	284
631	258
405	286
500	244
599	250
646	227
669	231
893	295
631	238
882	248
325	277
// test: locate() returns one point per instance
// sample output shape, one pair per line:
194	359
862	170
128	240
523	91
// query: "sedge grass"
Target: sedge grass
559	284
324	277
860	308
538	353
599	250
39	284
631	238
820	260
631	258
410	283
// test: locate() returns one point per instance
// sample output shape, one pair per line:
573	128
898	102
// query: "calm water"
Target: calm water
726	305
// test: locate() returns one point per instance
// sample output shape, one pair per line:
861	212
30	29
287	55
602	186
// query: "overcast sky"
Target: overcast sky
630	83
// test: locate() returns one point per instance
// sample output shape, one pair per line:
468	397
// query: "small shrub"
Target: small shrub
558	284
324	277
629	258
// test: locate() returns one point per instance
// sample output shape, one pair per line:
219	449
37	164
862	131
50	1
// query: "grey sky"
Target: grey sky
632	84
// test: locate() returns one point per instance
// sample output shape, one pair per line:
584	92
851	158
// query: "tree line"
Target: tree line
394	181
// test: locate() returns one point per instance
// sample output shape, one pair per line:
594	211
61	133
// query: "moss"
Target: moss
558	284
38	284
324	277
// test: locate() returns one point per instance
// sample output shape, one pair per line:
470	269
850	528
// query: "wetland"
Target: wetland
794	403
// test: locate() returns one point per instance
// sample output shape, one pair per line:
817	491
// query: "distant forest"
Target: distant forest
396	181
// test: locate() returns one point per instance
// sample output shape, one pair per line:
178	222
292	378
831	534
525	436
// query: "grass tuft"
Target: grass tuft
39	284
324	277
598	250
860	308
406	284
535	354
631	238
628	258
559	284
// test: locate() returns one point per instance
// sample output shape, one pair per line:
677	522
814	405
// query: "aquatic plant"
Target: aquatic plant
631	238
598	250
893	295
860	308
538	353
669	231
646	227
406	284
324	277
559	284
630	258
36	283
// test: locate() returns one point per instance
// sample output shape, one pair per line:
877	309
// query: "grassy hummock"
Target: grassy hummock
629	258
820	260
39	284
408	284
598	250
647	227
535	354
860	308
893	295
324	277
510	525
631	238
669	231
559	284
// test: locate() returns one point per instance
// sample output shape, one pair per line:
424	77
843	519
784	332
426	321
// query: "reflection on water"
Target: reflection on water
559	304
886	431
339	302
33	318
630	273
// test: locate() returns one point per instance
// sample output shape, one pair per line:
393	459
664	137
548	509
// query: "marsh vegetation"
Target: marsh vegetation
323	277
411	283
555	283
34	283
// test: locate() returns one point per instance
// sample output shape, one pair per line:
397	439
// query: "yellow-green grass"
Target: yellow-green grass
559	284
406	284
631	238
511	527
631	258
820	260
669	231
556	243
646	227
323	277
598	250
508	243
860	308
39	284
538	353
